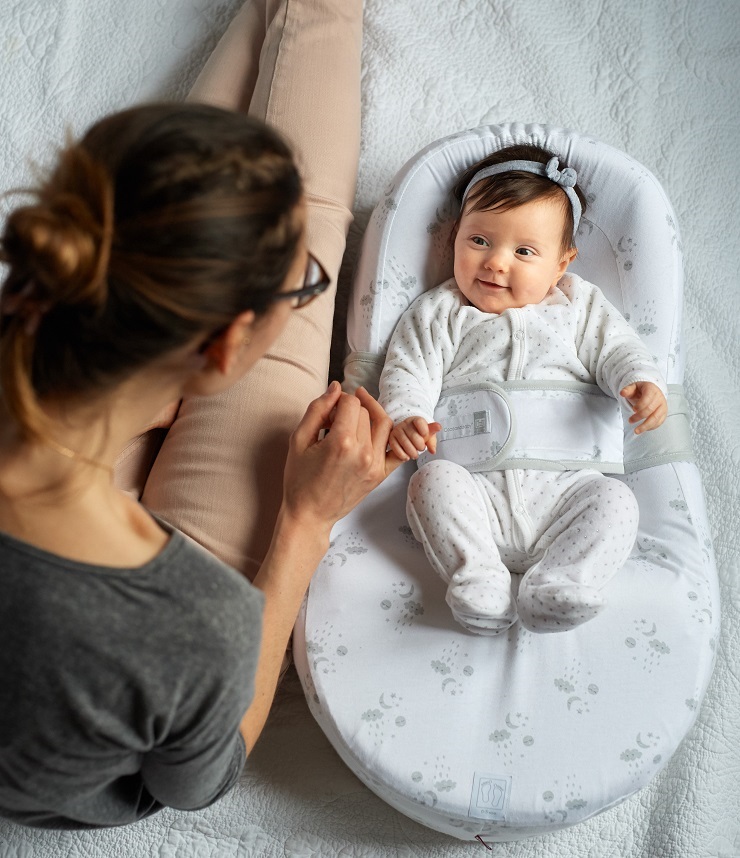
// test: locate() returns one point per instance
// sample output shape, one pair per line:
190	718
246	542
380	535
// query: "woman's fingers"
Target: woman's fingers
325	478
318	416
364	429
381	427
380	421
346	416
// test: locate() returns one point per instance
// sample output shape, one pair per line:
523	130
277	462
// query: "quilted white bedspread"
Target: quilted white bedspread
659	79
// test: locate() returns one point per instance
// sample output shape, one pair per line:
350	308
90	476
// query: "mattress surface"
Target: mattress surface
523	733
528	732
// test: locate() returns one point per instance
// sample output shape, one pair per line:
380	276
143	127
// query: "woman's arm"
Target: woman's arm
293	556
324	479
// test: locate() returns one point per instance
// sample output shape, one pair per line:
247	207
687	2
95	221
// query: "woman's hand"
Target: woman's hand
648	404
326	477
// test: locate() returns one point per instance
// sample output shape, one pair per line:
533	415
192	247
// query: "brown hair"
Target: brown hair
162	222
508	190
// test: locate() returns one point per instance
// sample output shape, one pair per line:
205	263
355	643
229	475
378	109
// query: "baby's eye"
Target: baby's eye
479	240
525	251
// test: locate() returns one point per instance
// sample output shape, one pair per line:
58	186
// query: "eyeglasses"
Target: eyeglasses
315	281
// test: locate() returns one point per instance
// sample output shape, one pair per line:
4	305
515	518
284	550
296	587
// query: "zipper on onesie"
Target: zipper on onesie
523	530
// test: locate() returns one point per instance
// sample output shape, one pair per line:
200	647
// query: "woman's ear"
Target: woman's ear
225	350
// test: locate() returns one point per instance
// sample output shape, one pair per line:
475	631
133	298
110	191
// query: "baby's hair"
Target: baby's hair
511	189
162	223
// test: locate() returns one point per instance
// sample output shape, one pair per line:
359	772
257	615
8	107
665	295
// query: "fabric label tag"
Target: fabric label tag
478	423
490	796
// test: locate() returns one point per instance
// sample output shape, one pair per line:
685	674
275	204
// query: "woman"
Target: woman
169	252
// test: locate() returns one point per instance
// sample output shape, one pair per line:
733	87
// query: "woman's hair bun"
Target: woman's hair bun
158	229
62	240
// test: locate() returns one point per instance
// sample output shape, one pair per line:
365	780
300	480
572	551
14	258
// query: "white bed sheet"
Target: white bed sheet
658	79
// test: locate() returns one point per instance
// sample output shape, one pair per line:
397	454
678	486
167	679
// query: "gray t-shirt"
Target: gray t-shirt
121	690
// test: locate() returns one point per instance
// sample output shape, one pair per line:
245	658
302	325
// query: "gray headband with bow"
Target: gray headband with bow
565	178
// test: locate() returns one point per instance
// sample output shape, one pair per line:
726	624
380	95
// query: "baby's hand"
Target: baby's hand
413	435
648	403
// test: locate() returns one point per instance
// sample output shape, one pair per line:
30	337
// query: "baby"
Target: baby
511	313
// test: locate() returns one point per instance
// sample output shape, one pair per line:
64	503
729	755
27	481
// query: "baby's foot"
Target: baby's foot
557	607
482	604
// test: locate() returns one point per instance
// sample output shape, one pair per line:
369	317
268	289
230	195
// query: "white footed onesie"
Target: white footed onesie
568	531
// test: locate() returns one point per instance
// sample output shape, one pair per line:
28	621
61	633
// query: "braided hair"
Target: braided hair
162	223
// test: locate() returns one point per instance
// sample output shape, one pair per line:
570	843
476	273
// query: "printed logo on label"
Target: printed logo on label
490	796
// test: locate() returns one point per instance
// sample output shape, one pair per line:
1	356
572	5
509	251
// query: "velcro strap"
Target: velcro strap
551	426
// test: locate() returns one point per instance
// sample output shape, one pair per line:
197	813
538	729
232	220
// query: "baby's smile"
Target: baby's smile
506	259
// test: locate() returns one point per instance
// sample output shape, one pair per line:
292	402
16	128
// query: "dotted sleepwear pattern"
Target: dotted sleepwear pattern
573	531
569	532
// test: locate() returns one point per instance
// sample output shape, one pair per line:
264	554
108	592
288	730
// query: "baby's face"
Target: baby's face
512	258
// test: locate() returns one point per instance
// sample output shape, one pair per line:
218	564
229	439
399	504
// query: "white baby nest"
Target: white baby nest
517	735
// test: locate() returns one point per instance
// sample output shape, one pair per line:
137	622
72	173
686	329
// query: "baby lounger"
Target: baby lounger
516	735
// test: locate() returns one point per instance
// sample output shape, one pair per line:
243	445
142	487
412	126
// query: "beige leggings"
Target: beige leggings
218	474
